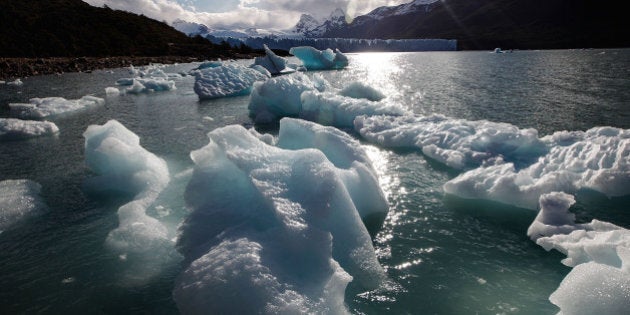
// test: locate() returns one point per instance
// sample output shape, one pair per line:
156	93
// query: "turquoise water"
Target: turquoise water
442	255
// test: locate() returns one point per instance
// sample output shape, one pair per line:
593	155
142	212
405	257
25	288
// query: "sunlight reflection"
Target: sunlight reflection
378	70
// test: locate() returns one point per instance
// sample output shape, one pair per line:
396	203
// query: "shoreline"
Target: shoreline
14	68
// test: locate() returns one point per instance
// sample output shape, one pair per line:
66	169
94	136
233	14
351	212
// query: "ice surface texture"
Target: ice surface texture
457	143
314	59
598	159
19	199
273	63
276	230
227	80
599	253
44	107
296	95
123	166
508	164
15	129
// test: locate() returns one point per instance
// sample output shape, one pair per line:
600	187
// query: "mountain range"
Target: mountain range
484	24
476	24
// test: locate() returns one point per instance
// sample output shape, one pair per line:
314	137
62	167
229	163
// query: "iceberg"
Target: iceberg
275	230
296	95
112	91
279	97
457	143
123	166
139	85
314	59
19	199
599	253
273	63
14	129
16	82
598	159
227	80
39	108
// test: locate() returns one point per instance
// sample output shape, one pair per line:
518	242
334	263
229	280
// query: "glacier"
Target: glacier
15	129
39	108
599	253
19	200
227	80
314	59
284	223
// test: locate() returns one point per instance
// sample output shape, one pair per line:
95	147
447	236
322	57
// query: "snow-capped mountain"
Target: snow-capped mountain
190	28
308	26
403	9
194	29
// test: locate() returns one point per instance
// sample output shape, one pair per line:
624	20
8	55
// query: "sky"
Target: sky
239	14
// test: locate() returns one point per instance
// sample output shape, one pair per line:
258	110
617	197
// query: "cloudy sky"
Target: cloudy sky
230	14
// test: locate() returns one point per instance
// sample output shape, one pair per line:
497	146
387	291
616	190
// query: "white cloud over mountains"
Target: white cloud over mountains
230	14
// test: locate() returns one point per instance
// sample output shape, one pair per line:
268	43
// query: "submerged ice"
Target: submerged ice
19	199
277	229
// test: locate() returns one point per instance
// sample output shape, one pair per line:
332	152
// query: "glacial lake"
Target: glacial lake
441	254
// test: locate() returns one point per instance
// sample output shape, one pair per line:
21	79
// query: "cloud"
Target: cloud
231	14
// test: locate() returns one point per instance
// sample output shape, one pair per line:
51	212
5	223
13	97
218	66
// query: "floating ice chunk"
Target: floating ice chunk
226	80
114	152
457	143
125	81
296	95
598	159
340	111
345	153
19	199
150	85
278	97
314	59
43	107
361	90
270	229
273	63
16	82
112	91
599	252
13	129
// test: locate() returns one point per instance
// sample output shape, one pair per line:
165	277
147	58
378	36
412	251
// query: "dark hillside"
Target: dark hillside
73	28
